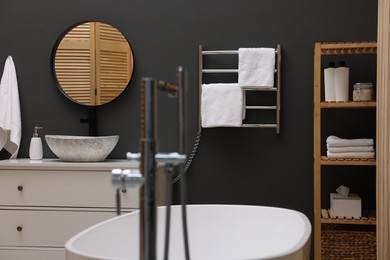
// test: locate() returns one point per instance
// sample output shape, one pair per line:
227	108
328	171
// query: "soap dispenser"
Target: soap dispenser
36	152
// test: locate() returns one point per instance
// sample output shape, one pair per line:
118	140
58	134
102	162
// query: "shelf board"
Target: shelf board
260	125
368	218
348	48
337	161
348	104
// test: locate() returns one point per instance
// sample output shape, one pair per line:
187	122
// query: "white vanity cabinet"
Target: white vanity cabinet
44	203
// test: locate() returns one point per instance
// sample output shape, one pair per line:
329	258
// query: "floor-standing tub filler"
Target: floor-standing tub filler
212	232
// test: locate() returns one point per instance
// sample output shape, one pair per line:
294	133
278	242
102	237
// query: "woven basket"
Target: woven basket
348	242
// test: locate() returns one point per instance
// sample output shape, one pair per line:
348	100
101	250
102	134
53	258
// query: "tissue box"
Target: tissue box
350	206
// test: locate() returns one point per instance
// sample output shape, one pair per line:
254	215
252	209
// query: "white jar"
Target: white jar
363	92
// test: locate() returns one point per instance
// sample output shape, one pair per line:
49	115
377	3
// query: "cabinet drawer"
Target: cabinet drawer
62	188
47	228
32	254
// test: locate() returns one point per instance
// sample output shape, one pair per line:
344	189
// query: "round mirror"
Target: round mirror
92	63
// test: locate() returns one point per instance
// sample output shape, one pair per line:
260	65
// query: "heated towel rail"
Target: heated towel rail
276	88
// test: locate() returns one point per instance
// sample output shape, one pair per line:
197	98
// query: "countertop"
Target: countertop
57	164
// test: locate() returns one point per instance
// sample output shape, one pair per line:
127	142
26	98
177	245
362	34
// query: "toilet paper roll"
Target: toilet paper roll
329	80
342	83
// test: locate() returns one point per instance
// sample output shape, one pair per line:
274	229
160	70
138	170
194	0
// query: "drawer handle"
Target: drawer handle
124	190
20	188
19	228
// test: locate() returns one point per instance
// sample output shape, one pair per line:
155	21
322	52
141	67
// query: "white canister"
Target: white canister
329	80
342	82
363	92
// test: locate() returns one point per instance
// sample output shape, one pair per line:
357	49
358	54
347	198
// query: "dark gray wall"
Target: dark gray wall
233	165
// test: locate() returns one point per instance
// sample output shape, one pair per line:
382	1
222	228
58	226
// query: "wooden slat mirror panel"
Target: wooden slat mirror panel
93	63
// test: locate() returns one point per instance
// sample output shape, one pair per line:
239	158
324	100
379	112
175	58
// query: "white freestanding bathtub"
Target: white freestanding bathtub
216	232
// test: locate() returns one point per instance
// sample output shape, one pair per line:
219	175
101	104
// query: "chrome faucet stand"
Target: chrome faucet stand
148	157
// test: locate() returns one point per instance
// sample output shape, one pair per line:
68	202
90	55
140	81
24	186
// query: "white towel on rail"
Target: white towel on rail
256	67
10	119
221	105
334	141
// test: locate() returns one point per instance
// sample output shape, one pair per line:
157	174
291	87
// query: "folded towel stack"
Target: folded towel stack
362	148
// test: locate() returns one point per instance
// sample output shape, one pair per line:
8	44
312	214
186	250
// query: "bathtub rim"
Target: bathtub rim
305	238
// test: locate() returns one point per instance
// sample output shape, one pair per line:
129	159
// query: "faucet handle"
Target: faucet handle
171	158
123	179
133	156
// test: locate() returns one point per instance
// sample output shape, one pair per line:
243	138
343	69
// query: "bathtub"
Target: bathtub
216	232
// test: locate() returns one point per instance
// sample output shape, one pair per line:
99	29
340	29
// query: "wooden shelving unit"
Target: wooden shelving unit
331	161
323	216
368	218
349	104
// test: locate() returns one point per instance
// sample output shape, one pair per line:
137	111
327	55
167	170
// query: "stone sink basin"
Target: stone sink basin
71	148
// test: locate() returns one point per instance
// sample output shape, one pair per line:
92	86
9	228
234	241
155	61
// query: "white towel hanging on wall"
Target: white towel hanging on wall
222	105
256	67
10	118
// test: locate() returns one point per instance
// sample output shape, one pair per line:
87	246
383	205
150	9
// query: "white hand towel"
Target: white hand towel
221	105
344	149
10	119
334	141
352	155
256	67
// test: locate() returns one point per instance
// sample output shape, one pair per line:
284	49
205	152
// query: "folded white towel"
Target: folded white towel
10	119
256	67
334	141
221	105
352	155
346	149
